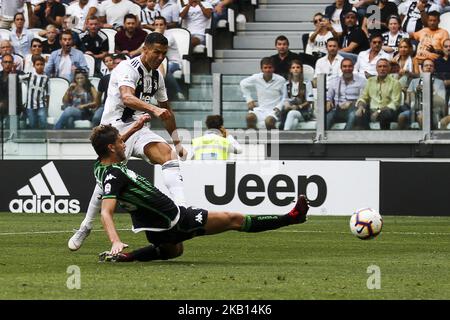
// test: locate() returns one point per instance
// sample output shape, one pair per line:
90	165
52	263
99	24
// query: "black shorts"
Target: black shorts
191	224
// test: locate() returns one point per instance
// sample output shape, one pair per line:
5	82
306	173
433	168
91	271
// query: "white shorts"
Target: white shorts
262	114
136	143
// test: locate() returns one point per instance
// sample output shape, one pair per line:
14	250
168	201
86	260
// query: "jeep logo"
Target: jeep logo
254	183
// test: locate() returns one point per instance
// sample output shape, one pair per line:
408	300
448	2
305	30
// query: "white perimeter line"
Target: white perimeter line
286	231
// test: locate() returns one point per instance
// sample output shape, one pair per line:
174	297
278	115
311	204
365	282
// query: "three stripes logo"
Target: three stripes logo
43	190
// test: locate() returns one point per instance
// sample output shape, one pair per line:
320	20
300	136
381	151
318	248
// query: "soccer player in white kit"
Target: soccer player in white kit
132	85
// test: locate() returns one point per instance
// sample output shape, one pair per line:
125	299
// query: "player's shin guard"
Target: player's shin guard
174	181
264	223
94	208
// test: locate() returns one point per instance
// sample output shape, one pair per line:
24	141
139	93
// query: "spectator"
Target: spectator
9	9
197	15
370	25
336	14
49	12
414	100
317	42
361	8
79	12
51	43
8	68
20	36
148	15
216	143
405	62
354	40
414	14
67	25
331	63
6	48
220	11
95	41
113	12
36	50
63	62
443	67
392	38
431	40
366	64
129	40
170	11
103	88
270	90
174	62
37	94
108	64
282	60
298	105
342	94
380	99
78	101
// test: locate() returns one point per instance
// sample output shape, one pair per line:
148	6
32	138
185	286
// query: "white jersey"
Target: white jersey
147	84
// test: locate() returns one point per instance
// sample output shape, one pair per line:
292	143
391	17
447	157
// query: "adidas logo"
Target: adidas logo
43	192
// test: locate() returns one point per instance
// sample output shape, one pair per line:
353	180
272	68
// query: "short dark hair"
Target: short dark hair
266	60
66	32
376	35
110	55
129	16
281	38
120	56
156	37
161	18
101	137
17	14
35	40
333	40
37	57
214	121
435	13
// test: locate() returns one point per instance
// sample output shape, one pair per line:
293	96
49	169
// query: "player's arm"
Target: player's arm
108	207
133	102
137	125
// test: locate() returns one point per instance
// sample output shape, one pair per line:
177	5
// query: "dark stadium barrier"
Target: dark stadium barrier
52	186
333	187
414	188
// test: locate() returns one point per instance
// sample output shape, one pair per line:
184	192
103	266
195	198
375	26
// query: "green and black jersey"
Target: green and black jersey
150	209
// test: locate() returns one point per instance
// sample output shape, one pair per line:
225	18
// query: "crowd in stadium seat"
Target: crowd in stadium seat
85	37
373	53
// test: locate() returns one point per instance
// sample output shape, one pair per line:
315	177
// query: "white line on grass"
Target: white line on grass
288	231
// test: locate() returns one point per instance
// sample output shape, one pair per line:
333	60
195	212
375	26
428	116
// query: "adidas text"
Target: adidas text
47	205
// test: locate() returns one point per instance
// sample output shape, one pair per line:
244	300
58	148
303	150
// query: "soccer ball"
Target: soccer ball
366	223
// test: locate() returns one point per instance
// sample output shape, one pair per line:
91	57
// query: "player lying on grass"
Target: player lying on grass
166	225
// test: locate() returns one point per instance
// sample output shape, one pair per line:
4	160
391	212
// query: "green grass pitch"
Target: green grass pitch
320	259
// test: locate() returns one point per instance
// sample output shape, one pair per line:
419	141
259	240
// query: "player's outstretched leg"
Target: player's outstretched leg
224	221
83	232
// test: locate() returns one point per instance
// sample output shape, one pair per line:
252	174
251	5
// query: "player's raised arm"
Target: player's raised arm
131	101
108	207
137	125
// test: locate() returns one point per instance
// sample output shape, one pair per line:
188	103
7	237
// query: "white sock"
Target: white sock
94	207
174	181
